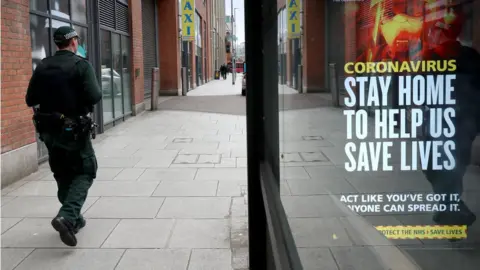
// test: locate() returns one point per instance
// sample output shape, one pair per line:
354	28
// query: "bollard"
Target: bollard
300	79
155	88
334	85
184	81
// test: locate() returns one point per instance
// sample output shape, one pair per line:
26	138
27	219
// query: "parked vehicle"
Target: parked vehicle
107	74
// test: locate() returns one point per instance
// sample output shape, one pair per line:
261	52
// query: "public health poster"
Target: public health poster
404	112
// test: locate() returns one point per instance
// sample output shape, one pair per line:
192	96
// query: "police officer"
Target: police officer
64	89
443	45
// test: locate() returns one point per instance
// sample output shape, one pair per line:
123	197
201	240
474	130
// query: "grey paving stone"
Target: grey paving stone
38	233
314	187
239	232
6	199
241	162
128	162
200	233
77	259
107	173
123	188
240	258
140	233
326	172
227	163
38	207
195	146
174	188
291	157
209	159
358	258
196	165
157	259
238	138
365	183
36	188
293	173
155	162
221	174
317	259
311	206
182	140
214	259
177	174
197	207
8	223
319	232
239	152
129	174
185	159
11	257
314	157
231	188
239	207
444	257
216	138
124	207
387	221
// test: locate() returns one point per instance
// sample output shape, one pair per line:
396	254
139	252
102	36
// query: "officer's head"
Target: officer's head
66	38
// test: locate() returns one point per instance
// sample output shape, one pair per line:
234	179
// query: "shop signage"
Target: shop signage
293	24
188	20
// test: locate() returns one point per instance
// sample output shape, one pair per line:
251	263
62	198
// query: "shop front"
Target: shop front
104	42
45	18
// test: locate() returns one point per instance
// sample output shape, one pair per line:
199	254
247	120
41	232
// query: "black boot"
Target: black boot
66	230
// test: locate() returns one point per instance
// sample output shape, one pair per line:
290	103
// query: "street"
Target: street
171	192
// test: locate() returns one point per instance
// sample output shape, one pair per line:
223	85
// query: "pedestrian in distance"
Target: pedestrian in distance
63	89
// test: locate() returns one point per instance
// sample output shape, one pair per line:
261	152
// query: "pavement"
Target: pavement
171	193
219	87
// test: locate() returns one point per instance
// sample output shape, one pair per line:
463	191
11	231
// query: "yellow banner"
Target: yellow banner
293	19
424	232
188	20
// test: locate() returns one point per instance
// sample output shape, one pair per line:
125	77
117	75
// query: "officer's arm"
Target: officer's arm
32	98
90	85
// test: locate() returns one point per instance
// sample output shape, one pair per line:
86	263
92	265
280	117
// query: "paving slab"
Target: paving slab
161	259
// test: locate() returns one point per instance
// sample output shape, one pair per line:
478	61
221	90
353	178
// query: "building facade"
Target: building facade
123	39
335	33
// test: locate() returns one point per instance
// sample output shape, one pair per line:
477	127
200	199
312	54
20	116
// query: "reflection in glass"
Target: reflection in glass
126	75
106	75
82	45
39	5
59	8
117	76
386	170
40	40
79	11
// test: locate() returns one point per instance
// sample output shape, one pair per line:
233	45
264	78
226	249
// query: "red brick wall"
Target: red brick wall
16	69
169	44
135	9
314	45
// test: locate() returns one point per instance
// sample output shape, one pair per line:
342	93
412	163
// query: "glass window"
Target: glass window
79	11
378	157
117	75
198	33
60	9
126	75
39	5
40	39
106	75
82	46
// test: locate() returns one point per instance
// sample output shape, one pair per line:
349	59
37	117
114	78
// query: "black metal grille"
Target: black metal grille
121	17
149	43
107	13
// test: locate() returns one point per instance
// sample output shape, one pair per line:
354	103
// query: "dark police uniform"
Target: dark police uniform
66	89
467	96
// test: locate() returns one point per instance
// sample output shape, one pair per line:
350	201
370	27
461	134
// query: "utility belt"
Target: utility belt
82	126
